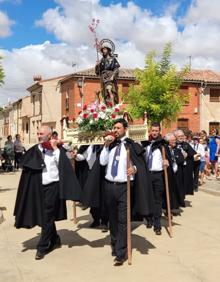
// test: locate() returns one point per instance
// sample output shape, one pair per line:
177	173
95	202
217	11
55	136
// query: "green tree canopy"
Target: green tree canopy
2	74
157	91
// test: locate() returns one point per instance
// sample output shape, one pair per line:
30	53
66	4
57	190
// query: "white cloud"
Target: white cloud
203	11
69	23
5	25
21	64
135	31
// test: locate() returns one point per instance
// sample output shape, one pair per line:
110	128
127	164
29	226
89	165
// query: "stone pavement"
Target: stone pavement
192	255
212	186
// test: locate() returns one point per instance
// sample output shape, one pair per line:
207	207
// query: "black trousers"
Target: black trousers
116	201
158	187
196	166
99	215
18	157
48	230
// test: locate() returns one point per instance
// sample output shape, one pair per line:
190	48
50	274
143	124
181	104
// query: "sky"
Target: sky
51	37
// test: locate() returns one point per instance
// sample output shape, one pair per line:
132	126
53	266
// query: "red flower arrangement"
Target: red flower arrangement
97	117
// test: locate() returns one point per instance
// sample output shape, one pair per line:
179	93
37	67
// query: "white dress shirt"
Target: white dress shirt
88	155
157	160
50	172
199	148
106	158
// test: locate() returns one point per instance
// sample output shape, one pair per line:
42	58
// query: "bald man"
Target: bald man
46	182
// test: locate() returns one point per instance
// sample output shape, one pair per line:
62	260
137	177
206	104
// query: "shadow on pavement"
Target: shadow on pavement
73	238
7	189
188	203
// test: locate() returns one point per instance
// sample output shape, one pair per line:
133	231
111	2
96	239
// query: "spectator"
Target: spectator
8	154
18	149
54	135
213	148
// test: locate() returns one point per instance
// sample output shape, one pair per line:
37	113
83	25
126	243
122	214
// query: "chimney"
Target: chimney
37	78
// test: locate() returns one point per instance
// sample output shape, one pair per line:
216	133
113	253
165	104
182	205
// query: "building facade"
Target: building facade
51	101
82	88
202	112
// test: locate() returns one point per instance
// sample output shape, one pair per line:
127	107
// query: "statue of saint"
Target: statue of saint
108	69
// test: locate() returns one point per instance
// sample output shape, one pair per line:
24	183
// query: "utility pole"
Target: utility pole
190	62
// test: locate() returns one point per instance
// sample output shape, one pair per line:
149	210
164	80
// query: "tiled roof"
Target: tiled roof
123	73
39	83
208	76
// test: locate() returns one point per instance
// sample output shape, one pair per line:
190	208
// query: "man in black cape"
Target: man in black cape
115	187
46	182
88	171
188	153
176	160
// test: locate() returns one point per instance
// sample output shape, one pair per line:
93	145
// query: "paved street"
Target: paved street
192	255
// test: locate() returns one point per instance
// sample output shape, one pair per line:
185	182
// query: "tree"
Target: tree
2	74
157	91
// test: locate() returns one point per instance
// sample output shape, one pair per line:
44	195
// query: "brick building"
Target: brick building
203	108
87	83
52	99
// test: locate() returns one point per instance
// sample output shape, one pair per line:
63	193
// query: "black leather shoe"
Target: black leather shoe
158	231
104	228
149	224
119	261
39	255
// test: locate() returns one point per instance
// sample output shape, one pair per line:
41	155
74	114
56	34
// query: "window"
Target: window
125	88
67	100
183	123
26	128
184	91
33	125
184	87
214	95
33	100
214	125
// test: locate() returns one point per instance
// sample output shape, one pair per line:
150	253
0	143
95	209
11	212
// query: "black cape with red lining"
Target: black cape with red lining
29	202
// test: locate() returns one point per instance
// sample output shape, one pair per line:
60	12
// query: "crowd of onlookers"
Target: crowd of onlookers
11	153
208	149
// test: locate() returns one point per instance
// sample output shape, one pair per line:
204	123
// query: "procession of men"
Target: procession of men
159	173
48	180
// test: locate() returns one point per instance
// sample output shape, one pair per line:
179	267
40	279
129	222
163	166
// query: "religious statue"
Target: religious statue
108	69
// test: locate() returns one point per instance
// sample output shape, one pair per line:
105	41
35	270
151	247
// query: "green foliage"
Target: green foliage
157	89
2	75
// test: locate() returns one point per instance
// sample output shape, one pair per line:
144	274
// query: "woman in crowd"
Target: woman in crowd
214	145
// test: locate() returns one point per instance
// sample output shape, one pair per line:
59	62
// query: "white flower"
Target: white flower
109	110
91	122
102	115
79	120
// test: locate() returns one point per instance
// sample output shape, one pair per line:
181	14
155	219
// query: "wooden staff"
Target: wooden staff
74	203
129	249
167	196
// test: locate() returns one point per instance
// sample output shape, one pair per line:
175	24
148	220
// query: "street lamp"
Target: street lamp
80	84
